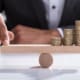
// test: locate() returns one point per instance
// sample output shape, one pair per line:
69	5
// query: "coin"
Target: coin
45	60
77	24
68	37
56	41
77	32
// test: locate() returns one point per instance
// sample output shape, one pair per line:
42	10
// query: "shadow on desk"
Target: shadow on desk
40	74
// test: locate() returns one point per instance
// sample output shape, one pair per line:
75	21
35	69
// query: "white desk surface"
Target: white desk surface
65	67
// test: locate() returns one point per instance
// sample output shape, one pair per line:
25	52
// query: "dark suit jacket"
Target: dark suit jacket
32	13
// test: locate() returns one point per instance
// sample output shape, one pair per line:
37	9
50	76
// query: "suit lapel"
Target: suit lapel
68	13
63	18
40	13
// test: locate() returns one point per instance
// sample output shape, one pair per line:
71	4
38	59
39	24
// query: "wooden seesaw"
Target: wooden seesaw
45	58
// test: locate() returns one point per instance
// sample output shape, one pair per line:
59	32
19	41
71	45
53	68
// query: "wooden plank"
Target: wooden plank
39	49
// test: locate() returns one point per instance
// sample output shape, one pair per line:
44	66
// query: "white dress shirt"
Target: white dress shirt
54	9
54	14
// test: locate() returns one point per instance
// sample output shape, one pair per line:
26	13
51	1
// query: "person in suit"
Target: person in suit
36	21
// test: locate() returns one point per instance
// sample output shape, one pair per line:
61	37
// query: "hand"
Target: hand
5	35
26	35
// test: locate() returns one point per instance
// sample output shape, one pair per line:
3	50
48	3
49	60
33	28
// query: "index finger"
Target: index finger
3	32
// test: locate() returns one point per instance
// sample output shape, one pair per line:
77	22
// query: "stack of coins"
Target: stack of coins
68	37
56	41
77	32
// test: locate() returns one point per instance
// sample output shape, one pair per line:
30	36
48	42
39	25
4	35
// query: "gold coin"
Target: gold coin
77	24
56	41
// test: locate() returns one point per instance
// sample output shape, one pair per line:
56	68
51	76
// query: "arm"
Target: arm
25	34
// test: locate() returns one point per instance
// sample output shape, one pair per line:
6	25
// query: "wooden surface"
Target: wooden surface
39	49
